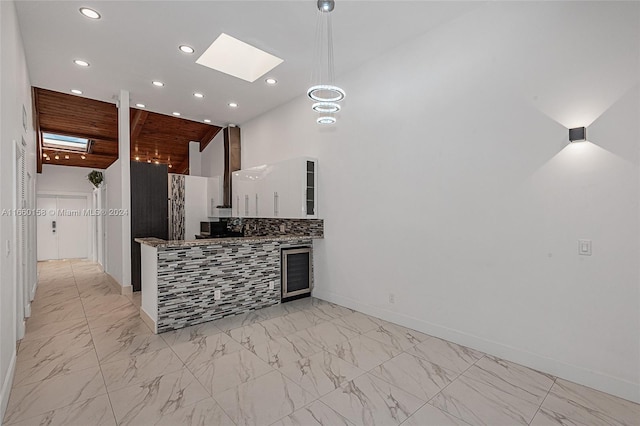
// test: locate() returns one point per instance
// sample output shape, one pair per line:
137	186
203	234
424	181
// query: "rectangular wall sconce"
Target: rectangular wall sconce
578	134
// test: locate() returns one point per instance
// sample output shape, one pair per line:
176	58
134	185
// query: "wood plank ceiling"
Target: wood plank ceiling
154	137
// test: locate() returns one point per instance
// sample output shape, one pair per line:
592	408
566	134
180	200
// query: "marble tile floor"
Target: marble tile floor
87	359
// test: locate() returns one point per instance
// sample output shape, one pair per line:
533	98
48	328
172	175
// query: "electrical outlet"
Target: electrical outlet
217	295
272	285
392	298
283	227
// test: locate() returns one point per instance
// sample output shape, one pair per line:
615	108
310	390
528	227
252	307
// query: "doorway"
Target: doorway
64	228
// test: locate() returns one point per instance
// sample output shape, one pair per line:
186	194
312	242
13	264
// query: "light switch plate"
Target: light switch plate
217	295
584	247
272	285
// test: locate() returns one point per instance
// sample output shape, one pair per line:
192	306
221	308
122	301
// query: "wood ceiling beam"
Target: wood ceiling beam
79	134
137	124
208	137
183	167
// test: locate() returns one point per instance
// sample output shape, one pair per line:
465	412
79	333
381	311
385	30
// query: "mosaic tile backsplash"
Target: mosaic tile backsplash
260	227
189	276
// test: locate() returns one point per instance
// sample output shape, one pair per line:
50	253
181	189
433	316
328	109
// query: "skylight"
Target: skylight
237	58
64	143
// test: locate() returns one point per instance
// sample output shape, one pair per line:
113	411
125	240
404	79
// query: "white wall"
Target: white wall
195	159
448	181
209	162
113	223
15	93
64	179
212	158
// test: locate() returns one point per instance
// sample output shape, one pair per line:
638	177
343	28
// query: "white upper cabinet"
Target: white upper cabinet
214	195
287	189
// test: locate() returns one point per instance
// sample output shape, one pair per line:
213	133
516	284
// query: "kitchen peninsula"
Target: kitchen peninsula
190	282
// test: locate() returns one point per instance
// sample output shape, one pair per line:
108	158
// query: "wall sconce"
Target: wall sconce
578	134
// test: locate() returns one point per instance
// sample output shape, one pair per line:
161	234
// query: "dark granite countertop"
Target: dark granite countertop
157	242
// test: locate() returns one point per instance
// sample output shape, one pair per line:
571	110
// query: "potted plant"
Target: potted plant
96	178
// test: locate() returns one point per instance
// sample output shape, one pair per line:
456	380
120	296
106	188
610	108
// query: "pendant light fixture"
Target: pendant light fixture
323	92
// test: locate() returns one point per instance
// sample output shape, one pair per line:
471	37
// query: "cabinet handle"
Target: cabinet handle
238	205
256	205
246	205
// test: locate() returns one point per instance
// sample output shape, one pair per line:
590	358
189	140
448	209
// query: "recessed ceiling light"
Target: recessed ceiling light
76	91
237	58
170	166
186	49
81	62
157	162
47	158
89	13
157	83
198	95
66	157
83	157
148	161
271	81
233	105
177	114
137	158
141	105
206	120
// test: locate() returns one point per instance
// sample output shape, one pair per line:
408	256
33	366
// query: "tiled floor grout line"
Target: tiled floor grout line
93	342
453	381
198	380
543	400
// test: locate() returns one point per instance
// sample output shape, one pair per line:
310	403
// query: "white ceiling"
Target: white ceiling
136	42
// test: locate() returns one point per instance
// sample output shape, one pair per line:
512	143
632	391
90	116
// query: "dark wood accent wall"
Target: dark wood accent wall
149	209
231	160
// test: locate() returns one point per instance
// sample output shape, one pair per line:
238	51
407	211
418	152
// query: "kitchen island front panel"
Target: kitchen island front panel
241	269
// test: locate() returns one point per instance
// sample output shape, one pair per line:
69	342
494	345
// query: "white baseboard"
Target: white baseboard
593	379
22	328
146	318
127	291
6	386
27	310
34	288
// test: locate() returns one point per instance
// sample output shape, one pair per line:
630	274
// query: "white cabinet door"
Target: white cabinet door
290	199
243	190
284	189
265	191
238	189
214	195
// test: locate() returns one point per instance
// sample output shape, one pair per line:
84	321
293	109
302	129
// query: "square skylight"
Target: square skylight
237	58
64	143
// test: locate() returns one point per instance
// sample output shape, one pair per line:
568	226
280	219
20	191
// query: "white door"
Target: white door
73	230
63	232
47	246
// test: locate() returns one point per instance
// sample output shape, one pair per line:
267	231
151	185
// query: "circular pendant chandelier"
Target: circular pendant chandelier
323	91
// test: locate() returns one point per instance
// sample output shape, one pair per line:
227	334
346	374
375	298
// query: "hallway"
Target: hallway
87	359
